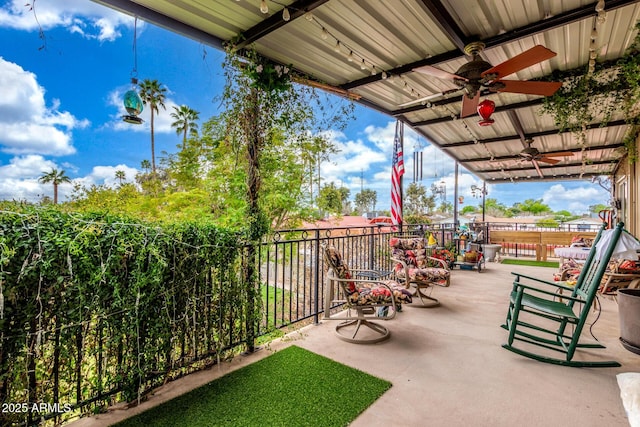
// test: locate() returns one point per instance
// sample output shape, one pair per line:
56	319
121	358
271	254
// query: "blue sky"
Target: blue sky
61	105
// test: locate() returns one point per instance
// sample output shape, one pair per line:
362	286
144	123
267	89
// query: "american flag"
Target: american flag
397	170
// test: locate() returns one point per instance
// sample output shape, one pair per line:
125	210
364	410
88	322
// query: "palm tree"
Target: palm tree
153	94
185	122
121	176
145	165
56	177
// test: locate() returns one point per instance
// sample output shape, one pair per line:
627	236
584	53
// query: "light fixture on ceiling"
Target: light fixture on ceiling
286	16
485	110
264	7
131	99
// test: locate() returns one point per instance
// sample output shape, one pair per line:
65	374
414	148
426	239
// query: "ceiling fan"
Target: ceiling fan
532	154
477	74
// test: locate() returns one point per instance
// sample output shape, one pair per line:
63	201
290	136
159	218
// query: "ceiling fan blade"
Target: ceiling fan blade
560	154
535	164
548	160
521	61
426	98
530	87
437	72
469	105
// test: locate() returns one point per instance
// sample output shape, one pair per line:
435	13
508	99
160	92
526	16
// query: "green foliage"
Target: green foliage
416	201
598	207
267	76
468	209
533	207
153	94
95	303
446	207
612	87
366	200
416	219
547	223
564	216
494	208
332	199
56	178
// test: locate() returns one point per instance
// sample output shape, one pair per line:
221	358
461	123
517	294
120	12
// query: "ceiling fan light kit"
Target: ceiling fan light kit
485	110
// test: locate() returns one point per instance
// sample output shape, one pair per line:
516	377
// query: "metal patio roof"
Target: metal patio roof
371	47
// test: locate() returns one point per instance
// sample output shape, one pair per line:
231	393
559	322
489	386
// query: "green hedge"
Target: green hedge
96	308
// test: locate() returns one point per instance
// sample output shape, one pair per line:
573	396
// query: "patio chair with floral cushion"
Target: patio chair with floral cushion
362	298
620	274
416	269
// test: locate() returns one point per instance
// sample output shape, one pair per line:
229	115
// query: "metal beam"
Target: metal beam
500	39
501	108
570	177
134	9
275	21
531	135
446	23
543	167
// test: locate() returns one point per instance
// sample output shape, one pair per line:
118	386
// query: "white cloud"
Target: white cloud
19	178
575	200
352	158
107	175
27	125
83	17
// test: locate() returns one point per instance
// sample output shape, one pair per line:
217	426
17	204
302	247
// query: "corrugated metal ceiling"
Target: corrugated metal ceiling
395	36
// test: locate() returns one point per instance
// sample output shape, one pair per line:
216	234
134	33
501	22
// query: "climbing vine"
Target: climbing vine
262	104
98	307
613	87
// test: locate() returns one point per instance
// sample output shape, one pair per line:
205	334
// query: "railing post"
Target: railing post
371	250
316	278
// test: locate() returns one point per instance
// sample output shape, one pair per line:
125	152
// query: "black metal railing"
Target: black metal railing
292	268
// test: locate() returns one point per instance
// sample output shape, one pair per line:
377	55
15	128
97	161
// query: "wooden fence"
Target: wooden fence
544	241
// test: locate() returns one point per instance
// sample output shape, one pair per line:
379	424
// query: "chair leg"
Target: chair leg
381	333
430	301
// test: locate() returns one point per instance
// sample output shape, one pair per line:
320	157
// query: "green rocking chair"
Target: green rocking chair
537	316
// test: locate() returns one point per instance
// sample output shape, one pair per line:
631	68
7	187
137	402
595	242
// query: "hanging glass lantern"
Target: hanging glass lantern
485	110
133	105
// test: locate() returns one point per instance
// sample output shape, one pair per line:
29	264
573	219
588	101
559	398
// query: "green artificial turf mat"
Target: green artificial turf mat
531	263
292	387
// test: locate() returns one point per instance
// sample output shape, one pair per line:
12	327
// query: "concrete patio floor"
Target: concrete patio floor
448	369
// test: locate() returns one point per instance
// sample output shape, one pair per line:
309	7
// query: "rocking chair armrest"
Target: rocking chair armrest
536	279
518	285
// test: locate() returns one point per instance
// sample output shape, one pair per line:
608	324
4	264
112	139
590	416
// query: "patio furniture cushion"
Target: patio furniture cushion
425	274
416	268
371	293
421	267
364	292
341	269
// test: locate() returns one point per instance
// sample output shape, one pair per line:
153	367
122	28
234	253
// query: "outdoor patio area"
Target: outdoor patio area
448	368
